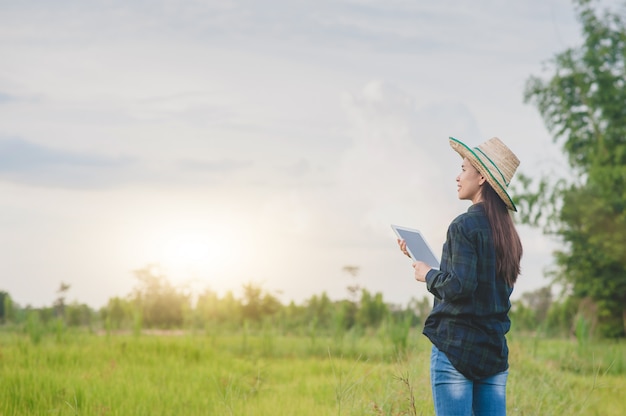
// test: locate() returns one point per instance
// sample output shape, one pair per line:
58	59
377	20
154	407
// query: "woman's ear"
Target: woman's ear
481	180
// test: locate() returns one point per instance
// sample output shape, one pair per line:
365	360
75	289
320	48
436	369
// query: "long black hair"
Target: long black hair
505	237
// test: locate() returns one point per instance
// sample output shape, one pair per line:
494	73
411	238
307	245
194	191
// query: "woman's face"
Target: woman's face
469	182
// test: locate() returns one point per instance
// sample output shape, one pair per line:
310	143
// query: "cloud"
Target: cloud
400	166
214	166
397	168
195	108
298	169
31	163
374	25
6	98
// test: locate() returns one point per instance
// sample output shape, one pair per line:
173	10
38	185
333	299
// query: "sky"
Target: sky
274	142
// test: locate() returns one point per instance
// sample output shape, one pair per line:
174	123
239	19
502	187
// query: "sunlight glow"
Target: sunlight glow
193	255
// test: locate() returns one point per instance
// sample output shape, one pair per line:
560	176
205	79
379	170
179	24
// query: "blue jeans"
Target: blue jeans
455	395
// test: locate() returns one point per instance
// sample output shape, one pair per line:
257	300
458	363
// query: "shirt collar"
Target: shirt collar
476	207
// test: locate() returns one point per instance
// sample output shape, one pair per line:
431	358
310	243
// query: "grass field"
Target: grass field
268	374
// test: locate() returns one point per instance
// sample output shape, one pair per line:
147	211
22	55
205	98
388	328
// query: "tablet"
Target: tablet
416	245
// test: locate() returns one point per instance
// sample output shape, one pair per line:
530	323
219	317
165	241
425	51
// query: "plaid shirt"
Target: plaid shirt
469	319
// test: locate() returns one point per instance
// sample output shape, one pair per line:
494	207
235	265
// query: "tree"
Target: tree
117	313
354	288
539	301
372	310
320	310
79	314
6	307
531	311
207	306
59	303
160	303
258	304
583	106
252	301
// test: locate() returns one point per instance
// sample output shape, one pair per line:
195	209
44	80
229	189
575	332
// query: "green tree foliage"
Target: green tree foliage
208	308
420	309
372	310
161	304
118	313
258	304
295	317
59	303
213	310
79	314
539	301
320	310
252	295
345	316
47	314
6	307
561	316
583	106
155	303
530	312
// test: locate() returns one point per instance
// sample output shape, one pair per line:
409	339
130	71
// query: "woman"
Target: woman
479	266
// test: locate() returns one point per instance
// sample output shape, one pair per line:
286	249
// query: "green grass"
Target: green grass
267	374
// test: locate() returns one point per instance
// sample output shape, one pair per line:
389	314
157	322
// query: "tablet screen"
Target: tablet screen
416	245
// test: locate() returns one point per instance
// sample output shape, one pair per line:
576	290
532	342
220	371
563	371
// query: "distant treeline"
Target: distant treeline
155	303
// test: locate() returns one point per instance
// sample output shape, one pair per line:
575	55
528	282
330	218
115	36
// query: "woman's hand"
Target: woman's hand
421	269
402	245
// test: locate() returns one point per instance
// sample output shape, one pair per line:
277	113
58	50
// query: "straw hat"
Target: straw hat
496	162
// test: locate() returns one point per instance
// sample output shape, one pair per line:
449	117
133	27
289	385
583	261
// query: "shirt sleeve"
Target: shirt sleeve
459	278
